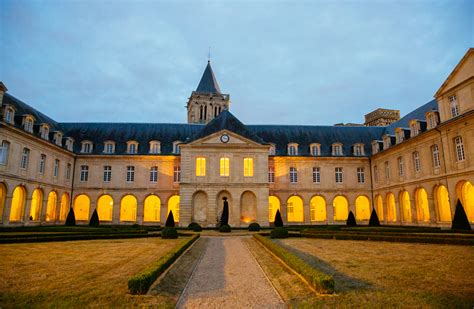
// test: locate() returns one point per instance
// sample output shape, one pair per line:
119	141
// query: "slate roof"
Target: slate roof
418	113
208	83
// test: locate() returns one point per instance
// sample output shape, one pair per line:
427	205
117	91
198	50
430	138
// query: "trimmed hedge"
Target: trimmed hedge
195	227
279	232
254	227
322	282
169	233
141	282
225	228
72	237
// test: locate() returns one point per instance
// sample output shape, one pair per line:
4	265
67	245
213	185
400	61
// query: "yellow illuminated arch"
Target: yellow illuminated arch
81	207
422	208
105	207
405	204
379	206
391	208
317	208
3	196
294	209
273	206
341	208
151	209
51	206
173	205
64	207
465	192
128	208
36	202
18	204
362	208
442	202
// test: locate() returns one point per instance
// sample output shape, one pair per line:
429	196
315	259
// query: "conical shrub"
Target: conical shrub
460	221
351	220
374	219
71	218
94	221
225	214
278	222
170	220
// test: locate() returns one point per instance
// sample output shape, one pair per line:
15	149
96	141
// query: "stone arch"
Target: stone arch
82	204
341	208
465	193
248	207
442	203
362	207
173	205
295	209
317	208
36	204
17	208
199	210
51	206
3	197
63	209
105	207
379	206
273	206
220	204
128	208
391	208
421	203
405	205
152	208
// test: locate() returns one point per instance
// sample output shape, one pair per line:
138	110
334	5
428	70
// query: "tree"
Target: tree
71	218
225	213
170	220
374	219
278	222
460	221
351	220
94	221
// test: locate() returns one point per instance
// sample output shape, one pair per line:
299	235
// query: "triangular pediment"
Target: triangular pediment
224	138
463	71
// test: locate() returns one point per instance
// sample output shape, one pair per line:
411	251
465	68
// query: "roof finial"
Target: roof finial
209	55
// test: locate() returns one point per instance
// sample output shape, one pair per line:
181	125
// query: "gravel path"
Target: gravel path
228	276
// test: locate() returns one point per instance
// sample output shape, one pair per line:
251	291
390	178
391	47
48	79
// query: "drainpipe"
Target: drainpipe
72	183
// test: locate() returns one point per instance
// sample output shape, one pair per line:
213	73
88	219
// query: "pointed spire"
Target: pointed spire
208	83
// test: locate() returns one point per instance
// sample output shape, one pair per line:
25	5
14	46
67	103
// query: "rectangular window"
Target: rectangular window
132	149
376	173
416	161
293	175
315	150
154	174
200	166
177	174
360	175
42	164
338	172
107	173
224	167
453	103
8	115
130	173
109	148
337	150
248	167
435	153
459	148
68	171
28	125
84	173
401	168
86	147
4	152
271	175
56	168
358	150
387	170
316	175
25	156
292	150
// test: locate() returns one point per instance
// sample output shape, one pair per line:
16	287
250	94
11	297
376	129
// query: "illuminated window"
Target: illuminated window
51	206
273	207
317	208
294	209
177	173
56	168
387	170
84	173
18	204
453	103
379	206
360	175
4	147
154	174
421	203
315	149
81	207
105	208
405	204
435	155
416	161
316	175
271	175
25	155
173	205
64	207
130	173
128	208
465	192
42	164
36	204
248	167
459	148
401	168
293	149
107	173
224	166
293	175
338	173
152	208
362	208
442	202
341	208
391	208
200	166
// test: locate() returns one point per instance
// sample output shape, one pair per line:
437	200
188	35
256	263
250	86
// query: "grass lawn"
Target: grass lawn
379	274
78	273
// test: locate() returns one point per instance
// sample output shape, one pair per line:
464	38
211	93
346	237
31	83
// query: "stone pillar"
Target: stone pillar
26	213
139	215
433	210
7	209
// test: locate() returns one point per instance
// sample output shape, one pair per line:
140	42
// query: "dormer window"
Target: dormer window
58	138
414	128
293	149
272	150
315	149
337	149
9	115
44	131
69	144
176	147
386	142
359	150
375	147
155	147
432	119
28	122
132	147
399	135
453	105
86	147
109	147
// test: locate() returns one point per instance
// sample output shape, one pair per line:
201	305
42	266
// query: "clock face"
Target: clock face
224	138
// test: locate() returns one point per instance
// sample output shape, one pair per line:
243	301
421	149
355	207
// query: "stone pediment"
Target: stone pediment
224	138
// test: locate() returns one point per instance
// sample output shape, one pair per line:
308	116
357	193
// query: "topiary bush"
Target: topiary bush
374	218
169	233
170	220
195	227
278	222
351	220
279	232
225	228
460	221
225	213
254	227
71	218
94	221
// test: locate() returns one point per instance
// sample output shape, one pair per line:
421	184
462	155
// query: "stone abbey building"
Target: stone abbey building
412	170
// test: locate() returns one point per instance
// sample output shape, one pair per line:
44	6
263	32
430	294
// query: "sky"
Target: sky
282	62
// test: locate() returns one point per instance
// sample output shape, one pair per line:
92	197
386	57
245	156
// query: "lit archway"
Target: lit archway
128	208
362	208
294	209
81	207
248	207
391	208
273	206
152	208
36	202
405	204
3	196
63	210
105	207
18	204
379	206
51	206
442	202
421	203
465	192
341	208
173	205
317	208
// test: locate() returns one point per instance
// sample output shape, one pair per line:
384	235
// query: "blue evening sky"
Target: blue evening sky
282	62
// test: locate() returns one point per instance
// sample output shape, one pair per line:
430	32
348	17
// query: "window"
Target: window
453	104
107	173
316	175
155	147
9	115
176	147
401	168
58	139
375	147
177	174
5	146
435	154
200	166
360	175
459	148
271	174
25	155
399	135
44	131
130	173
224	167
86	147
28	124
416	161
248	167
293	149
42	164
358	150
109	147
69	143
132	148
68	171
293	175
338	171
84	173
337	149
387	170
272	150
315	149
432	120
376	173
154	174
386	142
56	168
414	129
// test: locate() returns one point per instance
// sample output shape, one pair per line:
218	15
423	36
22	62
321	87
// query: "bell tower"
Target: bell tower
207	102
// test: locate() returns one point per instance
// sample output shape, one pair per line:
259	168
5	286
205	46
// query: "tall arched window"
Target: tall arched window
128	208
18	204
362	208
36	203
3	195
151	210
317	208
105	207
81	207
273	206
422	208
391	208
460	156
51	206
442	202
405	204
341	208
294	209
173	205
63	210
465	192
379	206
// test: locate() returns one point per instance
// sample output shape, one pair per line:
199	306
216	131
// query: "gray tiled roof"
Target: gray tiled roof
208	83
418	114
